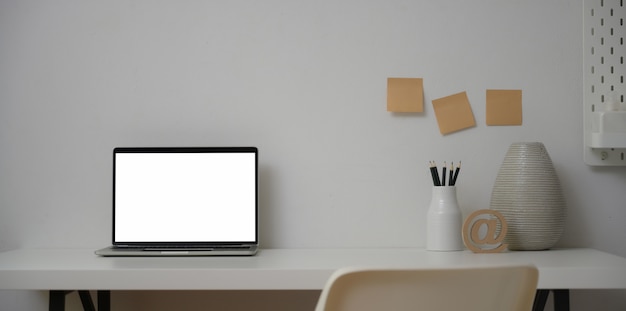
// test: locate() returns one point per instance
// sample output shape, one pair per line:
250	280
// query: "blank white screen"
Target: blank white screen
185	197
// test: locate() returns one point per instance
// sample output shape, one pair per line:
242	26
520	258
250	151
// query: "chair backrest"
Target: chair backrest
507	288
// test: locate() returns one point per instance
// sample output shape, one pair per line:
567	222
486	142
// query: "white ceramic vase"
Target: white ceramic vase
528	193
444	221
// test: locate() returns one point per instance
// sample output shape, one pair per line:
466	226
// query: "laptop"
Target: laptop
190	201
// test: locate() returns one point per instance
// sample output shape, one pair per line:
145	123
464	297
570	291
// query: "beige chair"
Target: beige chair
510	288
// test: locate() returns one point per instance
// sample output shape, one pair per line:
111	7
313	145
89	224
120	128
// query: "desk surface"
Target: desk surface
283	269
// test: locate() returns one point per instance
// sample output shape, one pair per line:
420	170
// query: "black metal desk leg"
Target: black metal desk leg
56	301
561	299
541	297
104	300
85	299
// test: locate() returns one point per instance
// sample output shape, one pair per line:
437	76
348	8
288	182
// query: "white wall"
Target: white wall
305	81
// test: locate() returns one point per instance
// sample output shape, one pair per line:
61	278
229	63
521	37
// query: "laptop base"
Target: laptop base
113	251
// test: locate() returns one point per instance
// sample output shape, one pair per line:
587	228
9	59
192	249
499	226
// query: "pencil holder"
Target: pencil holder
444	221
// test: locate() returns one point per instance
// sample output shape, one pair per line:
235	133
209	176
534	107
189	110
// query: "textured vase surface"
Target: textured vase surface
528	193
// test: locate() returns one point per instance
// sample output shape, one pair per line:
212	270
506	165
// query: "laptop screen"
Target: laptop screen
189	195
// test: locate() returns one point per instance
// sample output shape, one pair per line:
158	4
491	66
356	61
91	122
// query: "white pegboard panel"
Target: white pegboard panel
604	69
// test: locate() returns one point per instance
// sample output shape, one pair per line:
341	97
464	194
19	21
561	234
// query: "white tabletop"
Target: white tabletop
283	269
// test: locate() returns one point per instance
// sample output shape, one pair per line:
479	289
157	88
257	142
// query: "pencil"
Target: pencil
444	173
456	172
450	179
437	180
432	173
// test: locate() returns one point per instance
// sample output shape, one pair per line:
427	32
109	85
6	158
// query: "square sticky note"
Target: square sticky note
453	113
504	107
405	95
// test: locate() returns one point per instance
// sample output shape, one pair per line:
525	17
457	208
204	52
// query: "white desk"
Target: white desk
283	269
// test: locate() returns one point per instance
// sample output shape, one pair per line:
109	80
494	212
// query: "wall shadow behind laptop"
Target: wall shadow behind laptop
267	215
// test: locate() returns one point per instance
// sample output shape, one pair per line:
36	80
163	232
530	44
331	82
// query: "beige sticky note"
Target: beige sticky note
405	95
504	107
453	113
